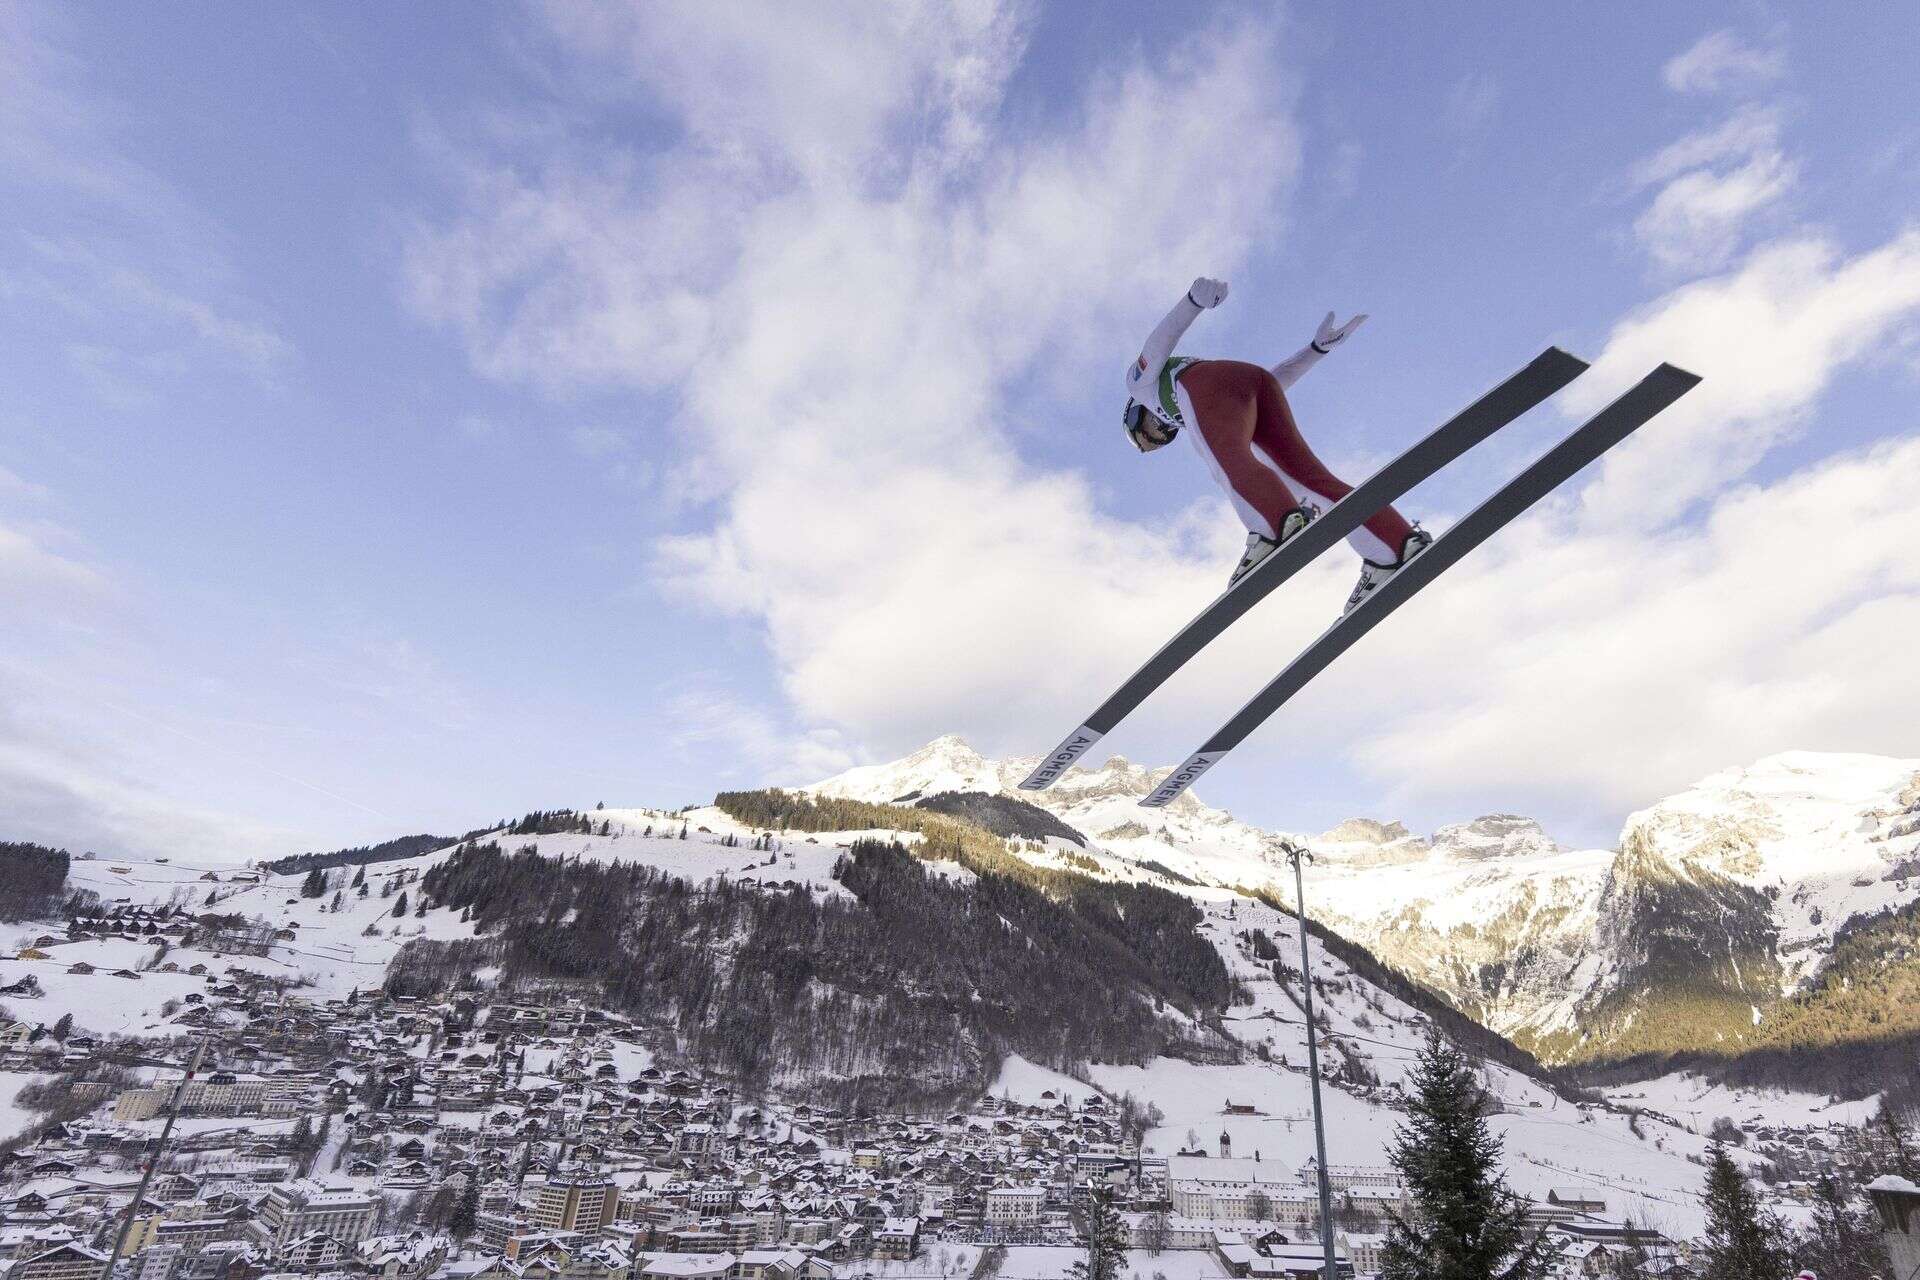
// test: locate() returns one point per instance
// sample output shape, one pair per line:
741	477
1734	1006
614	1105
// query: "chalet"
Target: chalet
62	1262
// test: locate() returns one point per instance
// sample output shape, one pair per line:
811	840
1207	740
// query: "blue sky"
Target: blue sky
413	416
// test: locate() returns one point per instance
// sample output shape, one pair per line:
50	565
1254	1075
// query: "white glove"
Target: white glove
1330	335
1207	294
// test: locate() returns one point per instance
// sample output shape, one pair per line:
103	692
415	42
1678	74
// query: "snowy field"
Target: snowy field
1698	1103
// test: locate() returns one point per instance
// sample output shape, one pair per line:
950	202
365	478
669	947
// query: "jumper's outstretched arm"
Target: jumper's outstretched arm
1328	336
1204	294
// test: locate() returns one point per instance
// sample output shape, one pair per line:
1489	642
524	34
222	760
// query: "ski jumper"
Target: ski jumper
1243	428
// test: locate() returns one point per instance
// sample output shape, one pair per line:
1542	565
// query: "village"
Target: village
482	1138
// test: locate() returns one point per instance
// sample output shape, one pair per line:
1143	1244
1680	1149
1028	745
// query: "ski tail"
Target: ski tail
1061	758
1632	410
1545	374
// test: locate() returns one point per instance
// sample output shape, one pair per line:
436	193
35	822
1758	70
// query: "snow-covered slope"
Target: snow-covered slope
335	944
1573	952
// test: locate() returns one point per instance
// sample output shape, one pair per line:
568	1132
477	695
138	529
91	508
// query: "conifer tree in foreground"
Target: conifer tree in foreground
1843	1241
1463	1222
1744	1241
1106	1239
1899	1142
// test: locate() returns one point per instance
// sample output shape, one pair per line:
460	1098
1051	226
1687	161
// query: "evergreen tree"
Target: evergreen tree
400	907
466	1211
359	879
300	1144
315	885
1899	1142
1842	1242
63	1027
1744	1241
339	900
361	892
1463	1223
1106	1239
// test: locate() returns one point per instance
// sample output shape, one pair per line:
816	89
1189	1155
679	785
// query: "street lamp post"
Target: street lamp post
1296	854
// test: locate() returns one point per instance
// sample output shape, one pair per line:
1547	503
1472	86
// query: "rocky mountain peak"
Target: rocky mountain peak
1366	831
1494	835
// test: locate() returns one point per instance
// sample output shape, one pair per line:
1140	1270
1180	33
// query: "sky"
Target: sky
415	416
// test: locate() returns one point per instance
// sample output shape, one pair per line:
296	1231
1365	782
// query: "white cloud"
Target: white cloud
143	283
1769	337
1606	667
856	323
1722	61
756	743
63	798
37	579
1711	184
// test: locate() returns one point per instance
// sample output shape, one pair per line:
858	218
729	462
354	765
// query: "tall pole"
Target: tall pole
159	1149
1295	855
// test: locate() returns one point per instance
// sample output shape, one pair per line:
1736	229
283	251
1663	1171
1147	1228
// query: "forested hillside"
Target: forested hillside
359	855
1854	1031
33	878
907	988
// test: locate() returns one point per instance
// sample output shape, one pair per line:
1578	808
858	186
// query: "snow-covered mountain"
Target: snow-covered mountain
1717	904
1253	1093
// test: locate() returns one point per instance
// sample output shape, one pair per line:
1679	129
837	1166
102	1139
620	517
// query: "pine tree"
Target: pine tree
1464	1223
1743	1240
466	1211
315	885
359	879
339	899
63	1027
1899	1142
400	907
1106	1239
1842	1242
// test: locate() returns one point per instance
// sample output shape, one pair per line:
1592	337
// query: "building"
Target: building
1363	1248
575	1200
301	1208
1897	1201
160	1262
1578	1199
62	1262
1345	1177
897	1239
1015	1206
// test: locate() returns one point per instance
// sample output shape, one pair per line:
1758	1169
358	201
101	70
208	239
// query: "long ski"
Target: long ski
1609	427
1549	371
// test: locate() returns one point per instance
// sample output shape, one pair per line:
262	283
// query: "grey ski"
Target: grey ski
1549	371
1634	409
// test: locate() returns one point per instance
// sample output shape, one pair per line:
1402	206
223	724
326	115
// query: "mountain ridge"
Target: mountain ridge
1580	955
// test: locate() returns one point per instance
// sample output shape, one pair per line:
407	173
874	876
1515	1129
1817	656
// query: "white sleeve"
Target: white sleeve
1160	343
1289	371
